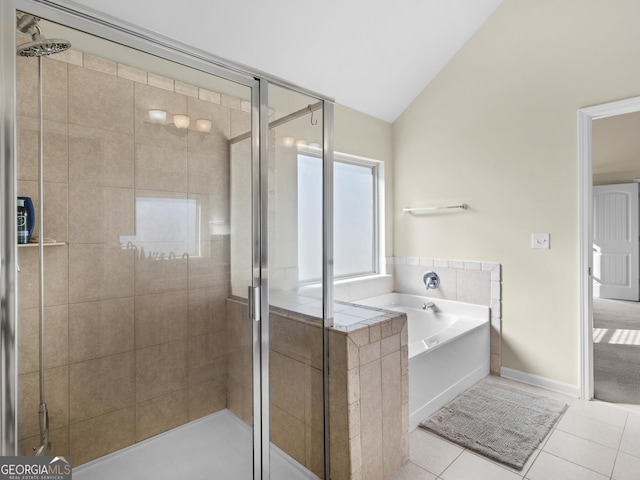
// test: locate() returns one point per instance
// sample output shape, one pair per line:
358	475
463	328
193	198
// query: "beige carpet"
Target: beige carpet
502	423
616	351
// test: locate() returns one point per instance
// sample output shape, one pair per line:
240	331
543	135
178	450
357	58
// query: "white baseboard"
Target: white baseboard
541	382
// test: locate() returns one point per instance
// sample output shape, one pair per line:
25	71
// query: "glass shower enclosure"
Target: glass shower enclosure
162	272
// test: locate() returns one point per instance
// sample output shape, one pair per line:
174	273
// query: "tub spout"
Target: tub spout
429	305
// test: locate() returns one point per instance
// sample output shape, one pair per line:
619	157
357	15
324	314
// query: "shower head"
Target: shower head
39	45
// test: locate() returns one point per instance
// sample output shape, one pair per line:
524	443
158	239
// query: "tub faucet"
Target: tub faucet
429	305
431	280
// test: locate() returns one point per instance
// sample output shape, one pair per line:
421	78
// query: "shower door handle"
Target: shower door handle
254	303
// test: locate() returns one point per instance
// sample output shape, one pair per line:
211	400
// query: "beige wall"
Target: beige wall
359	134
497	129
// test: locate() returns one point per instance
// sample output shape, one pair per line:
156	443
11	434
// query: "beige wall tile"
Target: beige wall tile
314	399
74	57
369	353
27	86
55	150
288	337
340	456
57	398
56	336
54	88
55	211
314	451
370	397
207	358
209	270
99	436
386	329
98	329
202	304
160	318
287	379
474	286
240	122
337	351
100	157
161	369
231	102
354	390
360	337
148	97
59	439
55	274
101	386
240	400
132	73
390	345
55	208
288	433
372	454
208	96
404	359
99	272
159	81
100	214
496	362
210	397
159	165
185	89
154	276
315	341
99	64
100	100
391	413
161	414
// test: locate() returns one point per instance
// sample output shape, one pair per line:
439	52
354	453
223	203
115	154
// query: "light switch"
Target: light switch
540	240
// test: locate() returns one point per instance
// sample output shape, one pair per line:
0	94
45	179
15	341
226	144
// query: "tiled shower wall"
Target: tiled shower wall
134	345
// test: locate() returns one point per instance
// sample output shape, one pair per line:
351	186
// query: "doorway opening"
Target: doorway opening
599	277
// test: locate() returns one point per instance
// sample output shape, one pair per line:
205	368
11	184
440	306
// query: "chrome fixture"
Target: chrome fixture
431	280
429	305
463	206
39	45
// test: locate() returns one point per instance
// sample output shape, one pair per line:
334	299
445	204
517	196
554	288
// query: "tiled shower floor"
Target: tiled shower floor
215	447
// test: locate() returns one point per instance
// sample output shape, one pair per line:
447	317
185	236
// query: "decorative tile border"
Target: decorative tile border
128	72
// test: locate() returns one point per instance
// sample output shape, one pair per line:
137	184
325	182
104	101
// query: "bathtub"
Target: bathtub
449	349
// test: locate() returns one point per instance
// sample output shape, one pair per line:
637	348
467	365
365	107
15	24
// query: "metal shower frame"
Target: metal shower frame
89	21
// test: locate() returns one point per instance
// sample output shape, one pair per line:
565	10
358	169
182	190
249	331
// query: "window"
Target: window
357	217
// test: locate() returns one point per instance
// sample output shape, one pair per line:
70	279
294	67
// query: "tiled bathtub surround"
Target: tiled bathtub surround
369	398
463	281
368	385
134	345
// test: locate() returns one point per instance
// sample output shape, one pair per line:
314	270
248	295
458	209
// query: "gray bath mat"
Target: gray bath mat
499	422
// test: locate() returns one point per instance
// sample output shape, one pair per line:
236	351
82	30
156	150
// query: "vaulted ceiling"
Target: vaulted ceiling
374	56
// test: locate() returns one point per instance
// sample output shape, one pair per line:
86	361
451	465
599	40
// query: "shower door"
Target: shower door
169	182
148	342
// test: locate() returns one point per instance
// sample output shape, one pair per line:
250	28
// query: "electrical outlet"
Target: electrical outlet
540	240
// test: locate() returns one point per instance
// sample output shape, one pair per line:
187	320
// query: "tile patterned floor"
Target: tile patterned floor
592	441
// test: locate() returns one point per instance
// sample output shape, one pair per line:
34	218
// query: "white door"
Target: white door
616	243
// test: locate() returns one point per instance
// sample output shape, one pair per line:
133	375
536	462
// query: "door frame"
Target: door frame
585	190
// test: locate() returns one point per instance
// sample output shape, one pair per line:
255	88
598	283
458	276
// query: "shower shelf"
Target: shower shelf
54	244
